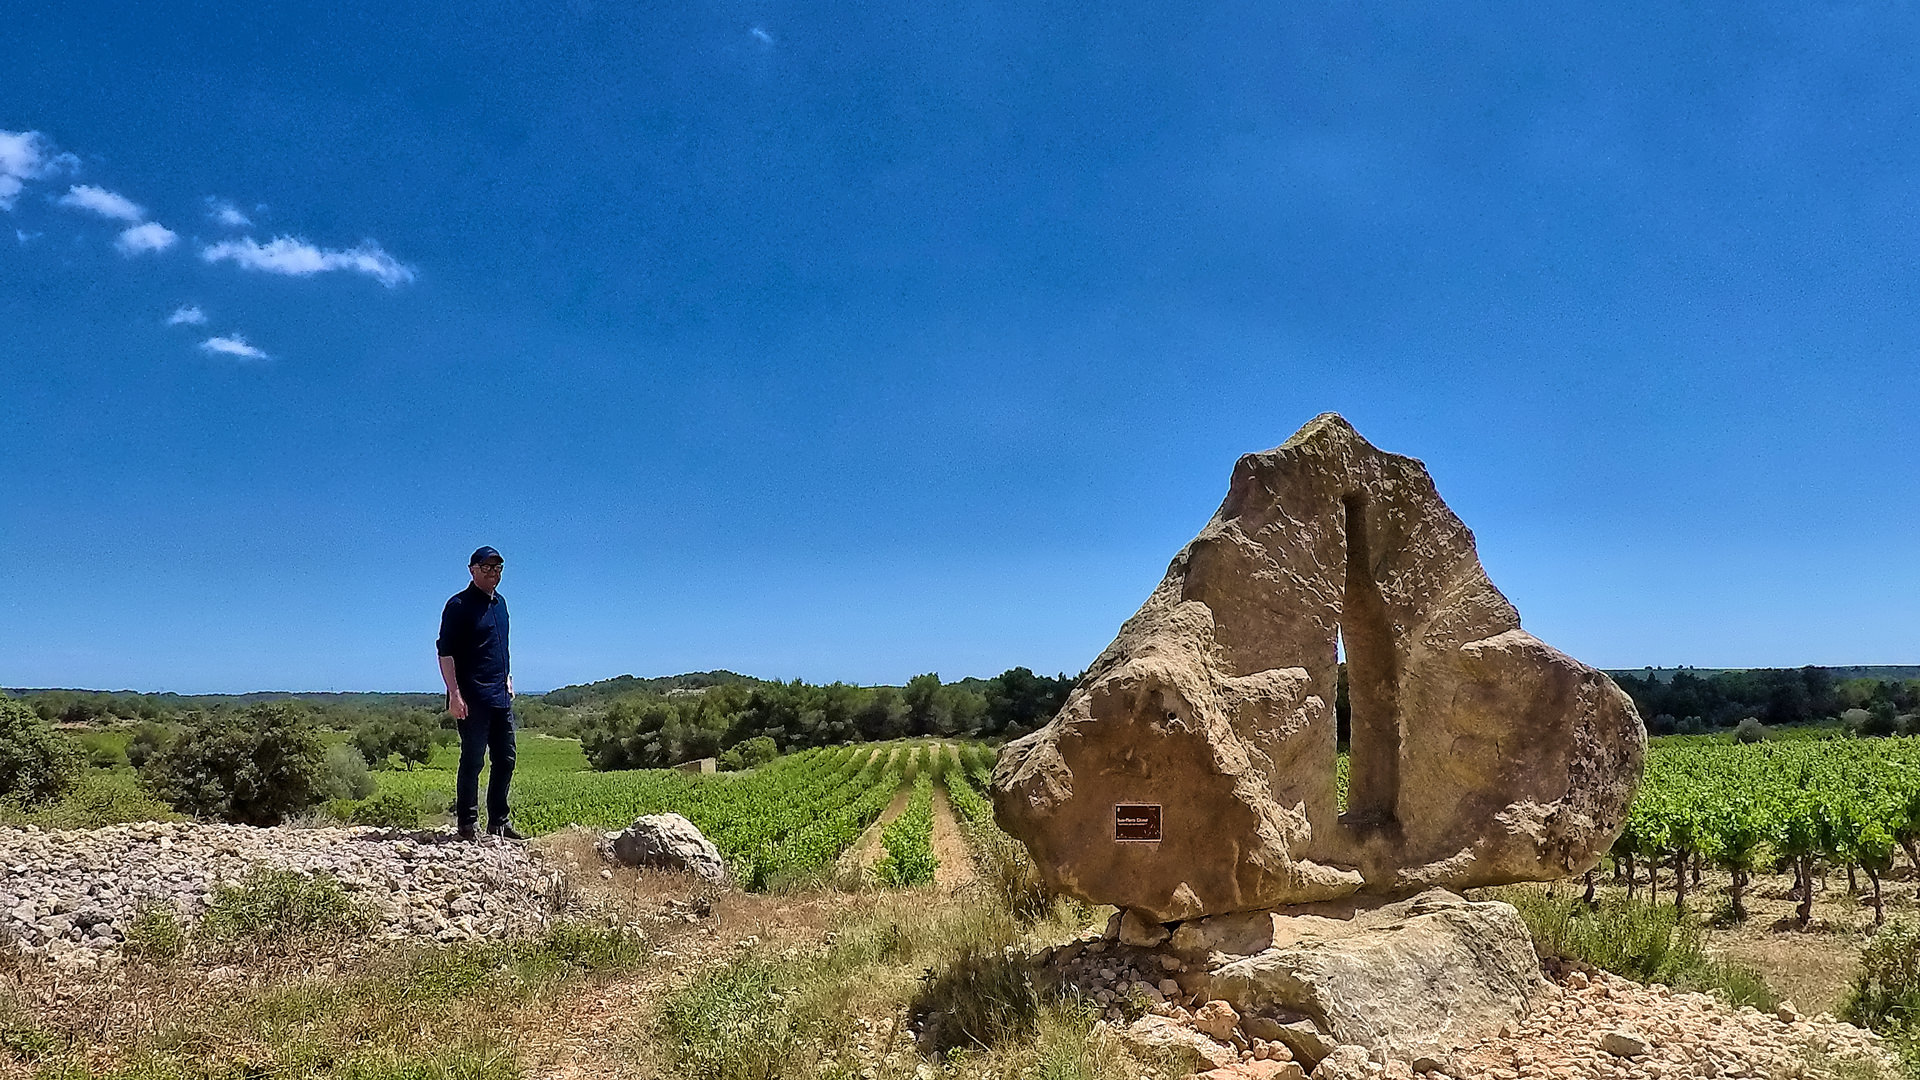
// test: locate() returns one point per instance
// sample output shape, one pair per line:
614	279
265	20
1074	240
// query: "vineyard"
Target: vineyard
1803	807
786	822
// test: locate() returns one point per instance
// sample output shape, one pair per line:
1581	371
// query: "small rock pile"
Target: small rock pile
1590	1025
71	894
1605	1027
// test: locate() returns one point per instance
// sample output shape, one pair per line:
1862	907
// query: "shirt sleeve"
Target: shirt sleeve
449	628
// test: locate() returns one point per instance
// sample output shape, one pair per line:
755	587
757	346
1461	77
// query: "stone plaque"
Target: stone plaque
1137	822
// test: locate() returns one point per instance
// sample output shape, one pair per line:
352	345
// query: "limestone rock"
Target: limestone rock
1422	977
1255	1070
1141	933
1346	1063
1151	1036
669	842
1479	755
1302	1038
1624	1043
1216	1020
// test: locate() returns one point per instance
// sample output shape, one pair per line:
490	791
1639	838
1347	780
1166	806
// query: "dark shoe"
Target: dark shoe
505	832
467	833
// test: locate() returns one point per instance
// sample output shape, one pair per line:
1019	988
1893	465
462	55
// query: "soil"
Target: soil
955	867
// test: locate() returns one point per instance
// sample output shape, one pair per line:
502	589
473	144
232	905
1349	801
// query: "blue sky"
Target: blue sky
855	341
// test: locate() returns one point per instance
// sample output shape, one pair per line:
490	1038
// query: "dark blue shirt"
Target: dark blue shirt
473	630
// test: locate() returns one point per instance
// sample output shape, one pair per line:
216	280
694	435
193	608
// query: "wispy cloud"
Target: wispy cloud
297	258
100	201
232	345
761	34
187	315
27	155
225	213
151	236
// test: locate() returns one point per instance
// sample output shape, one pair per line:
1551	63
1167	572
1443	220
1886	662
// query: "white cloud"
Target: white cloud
152	236
187	314
761	34
232	345
27	155
297	258
100	201
225	213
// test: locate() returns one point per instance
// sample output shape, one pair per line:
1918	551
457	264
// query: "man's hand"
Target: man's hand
509	686
455	704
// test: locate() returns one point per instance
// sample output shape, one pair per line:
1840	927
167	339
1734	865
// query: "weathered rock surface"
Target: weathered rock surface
1156	1036
1479	754
1416	978
668	842
1562	1037
70	894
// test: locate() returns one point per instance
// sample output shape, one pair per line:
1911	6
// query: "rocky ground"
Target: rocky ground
1587	1025
70	895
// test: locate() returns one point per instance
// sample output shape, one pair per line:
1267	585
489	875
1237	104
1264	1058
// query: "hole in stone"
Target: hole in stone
1372	683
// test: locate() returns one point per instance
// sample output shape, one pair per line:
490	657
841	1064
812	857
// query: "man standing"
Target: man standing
479	678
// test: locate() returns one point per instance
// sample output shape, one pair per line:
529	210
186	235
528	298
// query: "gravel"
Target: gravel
70	894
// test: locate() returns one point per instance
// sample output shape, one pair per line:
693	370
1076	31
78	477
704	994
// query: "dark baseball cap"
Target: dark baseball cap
485	555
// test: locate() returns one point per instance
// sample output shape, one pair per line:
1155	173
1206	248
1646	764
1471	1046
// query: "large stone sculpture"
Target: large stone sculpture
1193	770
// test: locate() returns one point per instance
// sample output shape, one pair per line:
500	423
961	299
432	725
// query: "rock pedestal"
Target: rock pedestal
1418	978
1193	770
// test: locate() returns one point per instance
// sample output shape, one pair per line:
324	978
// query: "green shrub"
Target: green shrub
254	767
750	754
37	763
1750	730
1640	940
156	934
272	908
1886	992
344	775
96	799
388	810
729	1024
146	741
982	997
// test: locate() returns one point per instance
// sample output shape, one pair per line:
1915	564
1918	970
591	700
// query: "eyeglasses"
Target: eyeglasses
494	567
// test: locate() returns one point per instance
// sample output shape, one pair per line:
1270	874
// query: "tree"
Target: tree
253	767
37	763
751	754
147	741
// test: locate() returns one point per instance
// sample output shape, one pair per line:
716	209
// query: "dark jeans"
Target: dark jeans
486	729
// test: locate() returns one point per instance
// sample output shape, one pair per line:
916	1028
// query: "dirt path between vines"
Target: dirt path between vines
866	850
955	866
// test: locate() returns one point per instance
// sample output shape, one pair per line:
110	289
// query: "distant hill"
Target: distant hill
622	685
183	702
1894	672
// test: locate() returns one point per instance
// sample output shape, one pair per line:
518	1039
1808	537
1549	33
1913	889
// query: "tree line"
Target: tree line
648	730
1690	704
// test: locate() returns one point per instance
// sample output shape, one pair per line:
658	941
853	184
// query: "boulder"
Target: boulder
1153	1037
1255	1070
667	842
1141	933
1192	771
1347	1063
1422	977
